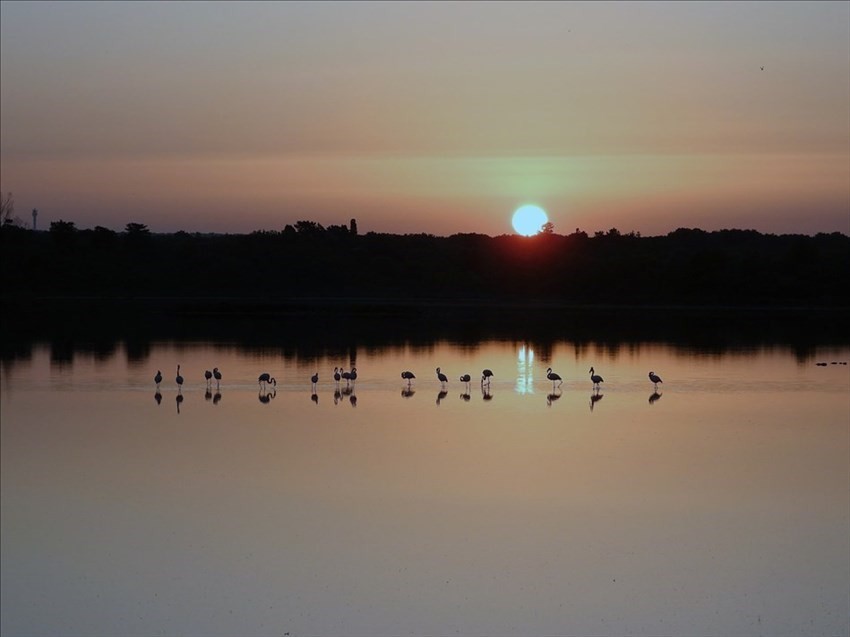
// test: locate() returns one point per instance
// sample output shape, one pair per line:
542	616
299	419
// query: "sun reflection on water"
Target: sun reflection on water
525	370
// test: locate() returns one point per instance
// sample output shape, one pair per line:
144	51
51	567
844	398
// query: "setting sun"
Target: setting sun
528	220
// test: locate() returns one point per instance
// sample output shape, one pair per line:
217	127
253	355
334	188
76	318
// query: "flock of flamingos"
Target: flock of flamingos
339	374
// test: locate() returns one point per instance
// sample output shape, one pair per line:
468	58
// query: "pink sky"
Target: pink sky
428	117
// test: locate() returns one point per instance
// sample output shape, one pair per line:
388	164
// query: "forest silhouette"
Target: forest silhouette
317	290
687	267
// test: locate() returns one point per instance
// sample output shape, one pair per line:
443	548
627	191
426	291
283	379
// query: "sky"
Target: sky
428	117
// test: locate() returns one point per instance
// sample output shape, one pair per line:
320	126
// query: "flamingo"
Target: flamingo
442	377
352	375
336	374
553	377
346	376
596	378
208	376
466	378
486	375
315	380
266	378
217	376
179	379
655	378
158	378
408	376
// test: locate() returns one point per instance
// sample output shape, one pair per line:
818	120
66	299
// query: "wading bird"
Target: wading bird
314	379
466	378
208	376
408	376
442	378
336	374
158	378
655	378
486	375
595	378
217	376
264	378
352	375
554	378
179	379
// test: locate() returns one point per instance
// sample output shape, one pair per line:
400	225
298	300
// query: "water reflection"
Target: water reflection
208	394
441	395
595	397
653	397
365	494
525	370
157	397
217	398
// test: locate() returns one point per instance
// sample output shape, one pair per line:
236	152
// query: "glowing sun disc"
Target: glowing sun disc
528	220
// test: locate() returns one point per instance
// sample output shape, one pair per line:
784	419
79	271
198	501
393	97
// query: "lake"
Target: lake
718	504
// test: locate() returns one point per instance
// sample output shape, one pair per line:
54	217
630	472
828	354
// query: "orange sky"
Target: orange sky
428	117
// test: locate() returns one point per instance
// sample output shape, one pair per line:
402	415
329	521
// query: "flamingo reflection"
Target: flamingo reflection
551	398
485	392
315	398
465	397
595	397
157	397
208	394
442	394
337	396
407	392
217	398
266	397
179	400
653	397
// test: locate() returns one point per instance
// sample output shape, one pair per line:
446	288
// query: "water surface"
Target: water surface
718	504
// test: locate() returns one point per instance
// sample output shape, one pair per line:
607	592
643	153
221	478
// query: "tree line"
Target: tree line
689	267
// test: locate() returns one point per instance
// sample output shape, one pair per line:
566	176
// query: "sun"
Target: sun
528	220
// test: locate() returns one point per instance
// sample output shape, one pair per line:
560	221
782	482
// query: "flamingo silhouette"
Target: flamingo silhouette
655	378
315	379
158	378
554	378
217	376
208	376
266	378
442	377
408	376
352	375
486	375
337	376
595	378
179	380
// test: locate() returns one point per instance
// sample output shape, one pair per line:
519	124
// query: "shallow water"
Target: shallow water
719	504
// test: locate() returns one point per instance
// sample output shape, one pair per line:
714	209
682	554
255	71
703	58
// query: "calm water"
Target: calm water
719	505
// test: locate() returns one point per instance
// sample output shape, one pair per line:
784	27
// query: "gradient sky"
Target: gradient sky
428	117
